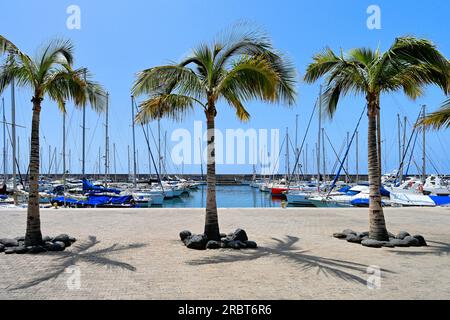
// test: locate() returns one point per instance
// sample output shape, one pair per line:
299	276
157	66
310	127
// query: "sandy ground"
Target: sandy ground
136	254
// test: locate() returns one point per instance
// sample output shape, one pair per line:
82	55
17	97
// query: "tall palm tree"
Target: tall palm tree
50	75
439	119
408	65
236	70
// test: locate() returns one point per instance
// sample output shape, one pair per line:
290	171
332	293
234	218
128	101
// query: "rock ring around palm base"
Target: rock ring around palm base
402	239
236	240
17	245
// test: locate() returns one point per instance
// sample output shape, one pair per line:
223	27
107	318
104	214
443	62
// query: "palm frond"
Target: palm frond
323	63
240	68
173	106
364	56
422	56
169	78
56	53
77	86
17	71
250	78
234	101
339	85
439	119
7	46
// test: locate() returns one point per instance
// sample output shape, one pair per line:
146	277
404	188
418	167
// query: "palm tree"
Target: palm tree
244	67
49	75
439	119
408	65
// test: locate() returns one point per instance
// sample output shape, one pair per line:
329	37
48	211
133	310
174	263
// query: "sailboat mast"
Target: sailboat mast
114	160
424	153
134	142
297	151
83	159
107	139
129	163
64	153
159	145
149	156
4	141
55	156
306	160
346	160
64	147
404	146
49	159
13	123
357	156
70	159
399	139
137	162
323	153
318	139
165	152
287	155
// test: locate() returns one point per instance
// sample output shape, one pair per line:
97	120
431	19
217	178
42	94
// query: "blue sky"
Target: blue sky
119	38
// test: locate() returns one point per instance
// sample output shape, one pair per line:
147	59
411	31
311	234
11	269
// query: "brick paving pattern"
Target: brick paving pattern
136	254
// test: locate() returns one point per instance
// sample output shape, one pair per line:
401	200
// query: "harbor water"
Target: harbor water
237	196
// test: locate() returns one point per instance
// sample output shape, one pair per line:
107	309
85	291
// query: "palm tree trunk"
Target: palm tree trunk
379	142
212	221
377	223
33	234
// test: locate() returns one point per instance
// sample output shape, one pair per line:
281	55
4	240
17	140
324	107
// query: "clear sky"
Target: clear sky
119	38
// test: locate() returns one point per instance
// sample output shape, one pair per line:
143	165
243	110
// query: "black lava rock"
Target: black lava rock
372	243
399	243
63	238
2	248
46	239
363	234
36	249
54	246
223	235
421	240
213	245
20	250
353	238
185	234
73	239
8	243
9	250
239	235
234	245
413	242
251	244
197	242
402	235
241	244
21	238
388	244
349	231
339	235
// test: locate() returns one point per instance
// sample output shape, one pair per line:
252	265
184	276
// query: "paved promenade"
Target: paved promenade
136	254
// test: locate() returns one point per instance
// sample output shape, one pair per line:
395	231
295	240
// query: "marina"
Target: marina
222	150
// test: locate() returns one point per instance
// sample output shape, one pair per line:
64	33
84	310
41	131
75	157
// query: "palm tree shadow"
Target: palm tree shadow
82	252
438	249
286	250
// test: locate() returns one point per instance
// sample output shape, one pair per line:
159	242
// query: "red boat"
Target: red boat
278	191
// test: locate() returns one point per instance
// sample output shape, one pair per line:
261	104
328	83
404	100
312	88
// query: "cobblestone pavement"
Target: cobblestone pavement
136	254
